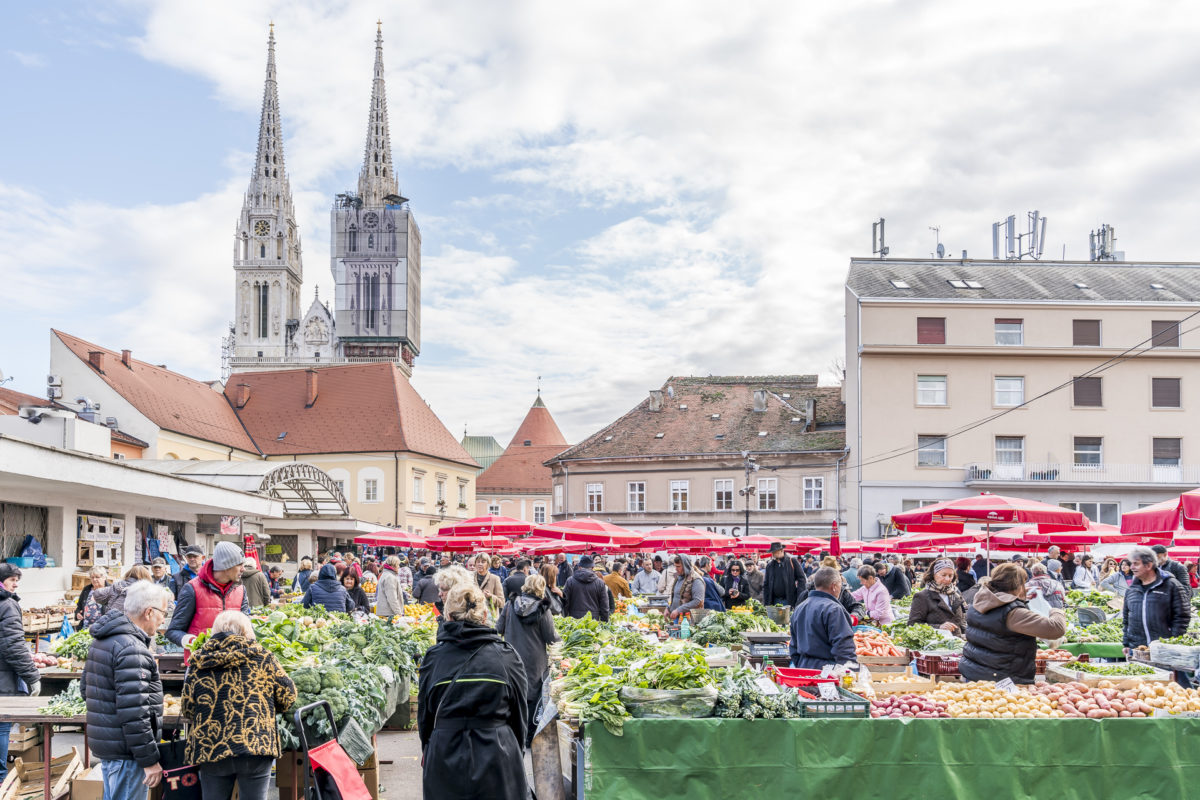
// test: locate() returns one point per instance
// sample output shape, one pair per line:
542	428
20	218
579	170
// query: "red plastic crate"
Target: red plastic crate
786	676
937	665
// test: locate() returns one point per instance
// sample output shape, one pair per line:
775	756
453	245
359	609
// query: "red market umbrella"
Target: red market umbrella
392	539
922	542
589	531
678	538
992	509
466	544
541	547
1168	518
757	543
490	525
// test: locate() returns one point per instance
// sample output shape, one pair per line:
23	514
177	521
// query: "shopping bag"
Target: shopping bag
67	629
180	780
329	758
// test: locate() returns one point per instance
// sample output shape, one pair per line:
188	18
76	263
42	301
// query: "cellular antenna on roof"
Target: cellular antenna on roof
1103	243
937	240
877	243
1018	246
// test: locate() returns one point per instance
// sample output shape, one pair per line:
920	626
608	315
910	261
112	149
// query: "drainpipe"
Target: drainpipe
566	488
858	402
396	490
837	513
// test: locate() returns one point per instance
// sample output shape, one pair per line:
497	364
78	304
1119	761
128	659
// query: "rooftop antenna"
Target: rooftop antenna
1018	246
4	380
1103	243
877	241
937	239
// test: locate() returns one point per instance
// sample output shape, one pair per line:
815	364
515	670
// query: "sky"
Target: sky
608	193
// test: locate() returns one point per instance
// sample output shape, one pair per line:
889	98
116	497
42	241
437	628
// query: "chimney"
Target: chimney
127	358
810	415
96	359
760	400
242	396
310	387
656	399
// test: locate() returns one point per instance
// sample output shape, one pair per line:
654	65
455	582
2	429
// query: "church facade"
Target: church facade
375	254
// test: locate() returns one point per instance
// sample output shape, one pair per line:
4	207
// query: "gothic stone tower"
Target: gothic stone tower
266	254
375	250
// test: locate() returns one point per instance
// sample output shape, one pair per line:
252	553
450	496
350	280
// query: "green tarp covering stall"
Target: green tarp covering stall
1095	649
662	759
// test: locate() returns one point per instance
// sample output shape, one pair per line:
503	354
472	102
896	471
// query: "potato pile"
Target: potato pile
909	705
171	705
982	699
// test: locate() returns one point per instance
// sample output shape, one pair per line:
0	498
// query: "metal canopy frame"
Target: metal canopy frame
304	490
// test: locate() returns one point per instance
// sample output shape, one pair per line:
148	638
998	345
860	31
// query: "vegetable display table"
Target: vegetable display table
25	711
1095	649
55	680
663	759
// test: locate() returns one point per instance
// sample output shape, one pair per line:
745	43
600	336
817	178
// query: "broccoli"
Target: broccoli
307	680
332	679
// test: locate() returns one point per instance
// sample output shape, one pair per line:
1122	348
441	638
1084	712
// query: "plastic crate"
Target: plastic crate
1040	668
847	706
800	677
937	664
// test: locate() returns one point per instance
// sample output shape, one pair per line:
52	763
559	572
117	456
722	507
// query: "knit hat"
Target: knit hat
586	562
226	555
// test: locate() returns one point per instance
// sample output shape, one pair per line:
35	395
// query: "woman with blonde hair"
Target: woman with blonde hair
526	624
112	598
471	705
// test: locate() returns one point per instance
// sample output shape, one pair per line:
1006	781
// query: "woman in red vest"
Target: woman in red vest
214	590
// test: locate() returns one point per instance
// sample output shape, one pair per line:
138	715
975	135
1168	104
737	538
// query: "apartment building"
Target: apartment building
1067	382
677	459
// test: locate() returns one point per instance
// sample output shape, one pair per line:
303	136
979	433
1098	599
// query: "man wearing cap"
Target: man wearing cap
1020	559
275	581
258	591
783	579
212	591
158	569
585	593
193	557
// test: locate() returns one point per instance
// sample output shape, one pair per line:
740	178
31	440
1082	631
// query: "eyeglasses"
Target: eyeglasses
162	611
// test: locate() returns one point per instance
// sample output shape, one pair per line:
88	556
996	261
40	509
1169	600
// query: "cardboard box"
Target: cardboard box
25	780
31	754
370	777
89	784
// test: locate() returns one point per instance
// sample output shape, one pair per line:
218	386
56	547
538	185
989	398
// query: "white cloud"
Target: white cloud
28	60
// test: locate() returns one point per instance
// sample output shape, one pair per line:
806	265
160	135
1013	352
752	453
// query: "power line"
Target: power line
1120	358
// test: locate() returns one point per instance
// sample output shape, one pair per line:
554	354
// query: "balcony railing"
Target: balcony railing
1082	473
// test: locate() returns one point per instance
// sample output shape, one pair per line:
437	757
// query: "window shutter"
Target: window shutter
1167	448
1164	333
1088	392
1165	392
931	330
1010	321
1085	332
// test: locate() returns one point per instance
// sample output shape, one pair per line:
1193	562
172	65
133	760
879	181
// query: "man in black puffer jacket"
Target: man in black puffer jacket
124	693
16	661
328	592
585	592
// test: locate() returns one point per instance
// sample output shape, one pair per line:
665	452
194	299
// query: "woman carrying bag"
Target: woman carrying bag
525	623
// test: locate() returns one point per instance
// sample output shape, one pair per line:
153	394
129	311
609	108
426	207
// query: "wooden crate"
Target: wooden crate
25	780
79	580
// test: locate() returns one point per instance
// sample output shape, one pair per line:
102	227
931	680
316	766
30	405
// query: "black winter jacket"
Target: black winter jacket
896	582
425	590
728	581
585	592
180	579
123	692
846	598
526	624
471	716
16	661
1179	572
782	582
328	592
1156	611
993	651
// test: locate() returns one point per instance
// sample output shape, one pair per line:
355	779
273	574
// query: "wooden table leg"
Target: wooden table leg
47	732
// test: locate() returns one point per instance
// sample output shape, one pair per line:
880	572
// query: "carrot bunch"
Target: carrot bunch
875	644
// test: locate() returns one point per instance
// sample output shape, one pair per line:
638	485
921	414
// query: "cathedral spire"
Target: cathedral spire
377	179
269	179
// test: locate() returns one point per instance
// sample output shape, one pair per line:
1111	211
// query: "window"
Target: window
441	492
931	330
1088	451
1010	450
595	497
418	489
679	495
1009	391
909	505
539	514
768	494
931	390
900	284
558	498
341	485
462	494
1106	513
1164	333
493	509
723	494
371	490
931	451
1088	392
1085	332
262	305
814	494
637	495
1167	452
1010	331
1164	392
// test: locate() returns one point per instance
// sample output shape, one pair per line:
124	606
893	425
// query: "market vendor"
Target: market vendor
193	558
1156	604
854	607
873	596
1002	631
686	590
940	604
212	591
821	632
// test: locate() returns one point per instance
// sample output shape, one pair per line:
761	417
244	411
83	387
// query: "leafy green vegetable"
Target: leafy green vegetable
739	696
1111	669
68	704
75	646
724	628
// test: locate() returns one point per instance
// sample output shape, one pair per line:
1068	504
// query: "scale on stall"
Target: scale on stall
760	647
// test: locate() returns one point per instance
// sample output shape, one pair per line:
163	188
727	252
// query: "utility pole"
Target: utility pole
748	491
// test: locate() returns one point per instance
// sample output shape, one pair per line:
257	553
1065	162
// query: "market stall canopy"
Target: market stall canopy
589	531
924	542
304	489
392	539
992	509
756	543
540	547
1097	533
489	525
677	539
467	544
1166	518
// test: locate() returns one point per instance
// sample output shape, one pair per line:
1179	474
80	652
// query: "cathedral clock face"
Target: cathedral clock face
262	227
370	219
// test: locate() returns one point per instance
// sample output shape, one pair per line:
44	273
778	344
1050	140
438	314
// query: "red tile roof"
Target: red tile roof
124	438
521	469
685	425
359	408
169	400
12	400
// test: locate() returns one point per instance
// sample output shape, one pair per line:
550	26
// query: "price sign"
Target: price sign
828	691
1007	685
766	685
274	549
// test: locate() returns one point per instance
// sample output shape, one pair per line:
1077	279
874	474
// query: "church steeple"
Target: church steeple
377	178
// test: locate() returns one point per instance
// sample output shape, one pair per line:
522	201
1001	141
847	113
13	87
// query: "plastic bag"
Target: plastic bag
32	548
66	629
1038	604
666	703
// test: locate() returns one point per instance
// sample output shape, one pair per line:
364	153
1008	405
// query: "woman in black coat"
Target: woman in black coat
526	624
966	578
357	595
471	707
737	588
18	674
